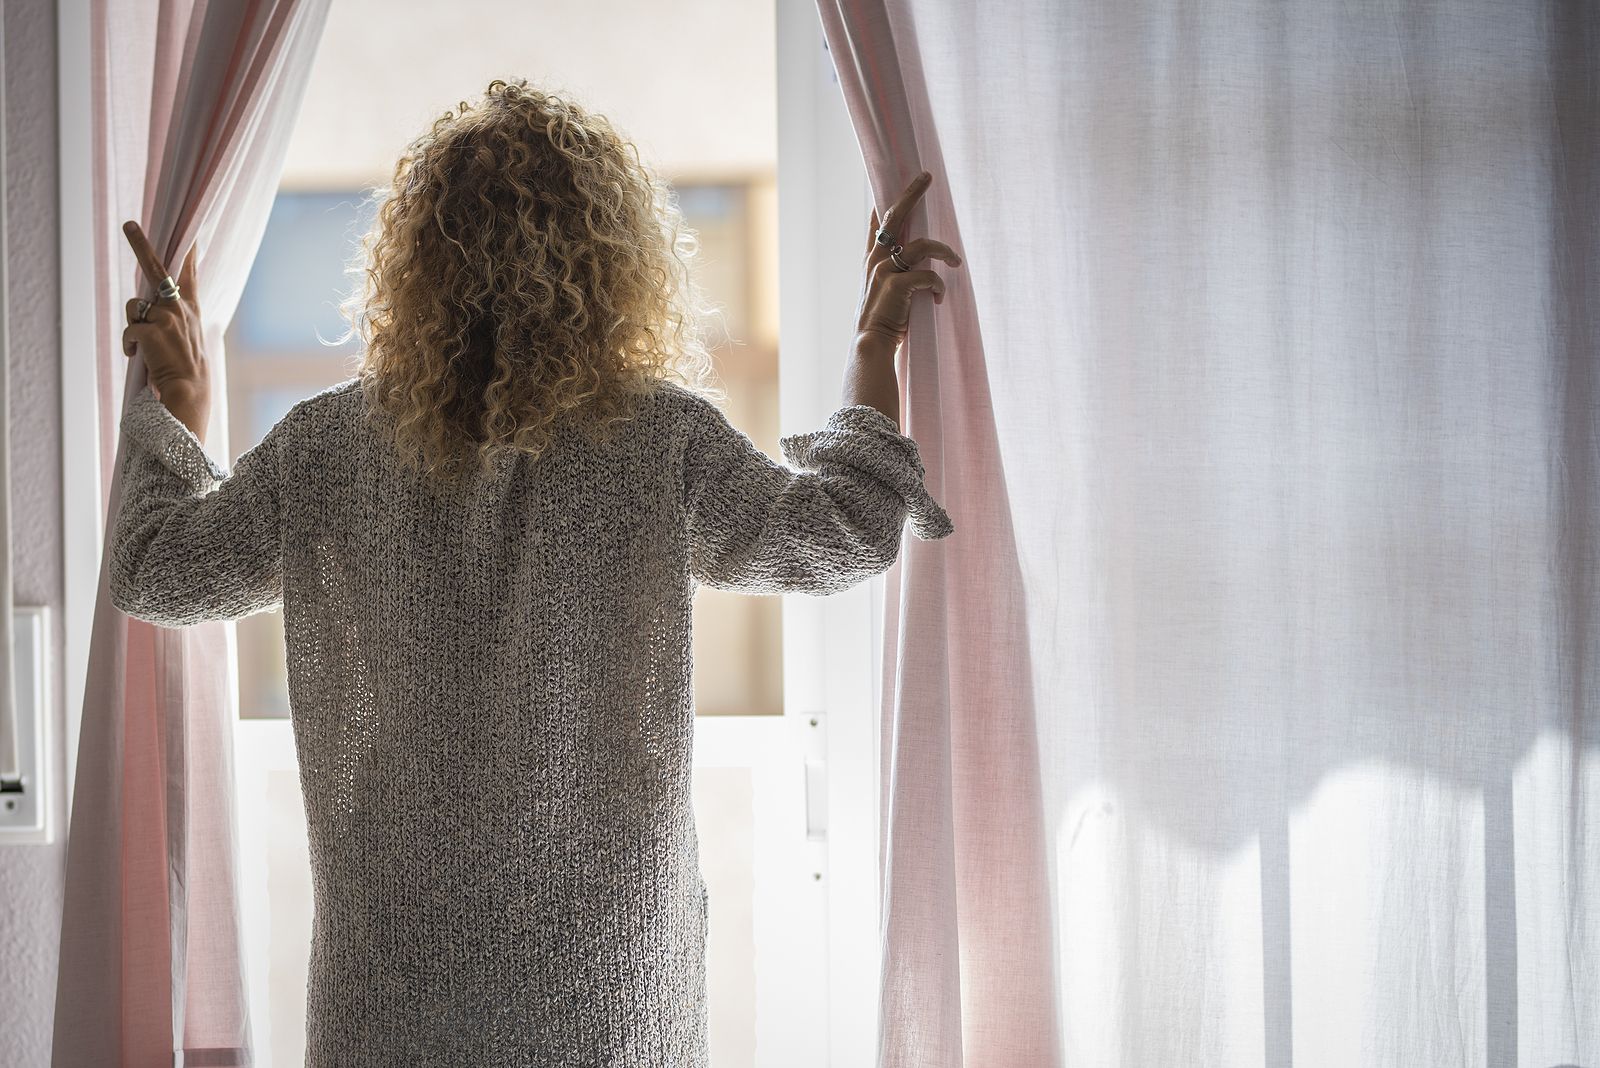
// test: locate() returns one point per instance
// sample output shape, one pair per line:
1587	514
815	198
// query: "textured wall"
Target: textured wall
31	876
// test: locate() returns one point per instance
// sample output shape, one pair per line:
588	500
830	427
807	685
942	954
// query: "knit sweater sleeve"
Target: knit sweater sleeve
828	522
192	541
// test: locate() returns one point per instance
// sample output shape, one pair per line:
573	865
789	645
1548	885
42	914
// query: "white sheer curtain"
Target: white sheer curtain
1250	716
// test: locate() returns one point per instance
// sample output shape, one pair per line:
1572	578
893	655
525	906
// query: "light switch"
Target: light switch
24	803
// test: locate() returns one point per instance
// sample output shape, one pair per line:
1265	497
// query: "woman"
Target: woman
486	545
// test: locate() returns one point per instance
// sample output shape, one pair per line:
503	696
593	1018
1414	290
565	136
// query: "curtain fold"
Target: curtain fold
1250	715
966	951
193	102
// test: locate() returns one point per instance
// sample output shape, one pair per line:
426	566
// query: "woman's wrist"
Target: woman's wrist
869	374
875	343
189	403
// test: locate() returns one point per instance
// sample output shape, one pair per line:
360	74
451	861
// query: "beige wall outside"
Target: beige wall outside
679	78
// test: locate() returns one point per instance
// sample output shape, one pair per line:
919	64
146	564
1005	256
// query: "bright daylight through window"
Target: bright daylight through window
711	131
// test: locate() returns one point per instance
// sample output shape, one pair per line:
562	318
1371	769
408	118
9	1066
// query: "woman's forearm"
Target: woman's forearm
869	375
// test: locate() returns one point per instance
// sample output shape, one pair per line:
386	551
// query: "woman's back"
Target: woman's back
490	707
491	701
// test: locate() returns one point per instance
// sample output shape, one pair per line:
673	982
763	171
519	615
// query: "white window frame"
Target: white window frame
82	517
831	645
816	767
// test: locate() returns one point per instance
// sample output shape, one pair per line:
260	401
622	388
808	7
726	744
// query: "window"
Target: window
780	980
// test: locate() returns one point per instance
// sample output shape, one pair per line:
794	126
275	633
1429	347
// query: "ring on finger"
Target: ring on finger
899	264
142	312
886	239
168	289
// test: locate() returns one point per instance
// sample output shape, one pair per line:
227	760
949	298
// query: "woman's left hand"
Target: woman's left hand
167	334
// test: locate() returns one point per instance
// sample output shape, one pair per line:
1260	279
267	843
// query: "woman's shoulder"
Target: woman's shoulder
339	392
690	407
666	391
667	407
311	418
336	405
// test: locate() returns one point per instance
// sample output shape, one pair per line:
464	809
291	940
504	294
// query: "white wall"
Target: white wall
31	876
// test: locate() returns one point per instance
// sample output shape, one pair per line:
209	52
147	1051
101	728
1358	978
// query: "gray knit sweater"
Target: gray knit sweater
490	694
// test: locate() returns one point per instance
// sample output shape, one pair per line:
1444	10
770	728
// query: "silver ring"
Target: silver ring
168	289
899	264
142	314
885	238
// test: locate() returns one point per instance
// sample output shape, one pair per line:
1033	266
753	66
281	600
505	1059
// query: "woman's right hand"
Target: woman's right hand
885	309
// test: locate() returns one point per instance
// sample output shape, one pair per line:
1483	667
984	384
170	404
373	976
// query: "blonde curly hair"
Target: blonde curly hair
525	269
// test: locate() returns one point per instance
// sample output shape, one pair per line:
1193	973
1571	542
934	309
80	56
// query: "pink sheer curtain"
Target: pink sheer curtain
967	956
193	104
1249	717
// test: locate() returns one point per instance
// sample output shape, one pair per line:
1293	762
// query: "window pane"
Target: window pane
291	300
711	130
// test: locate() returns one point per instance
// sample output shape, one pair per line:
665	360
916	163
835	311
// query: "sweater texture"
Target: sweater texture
490	696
